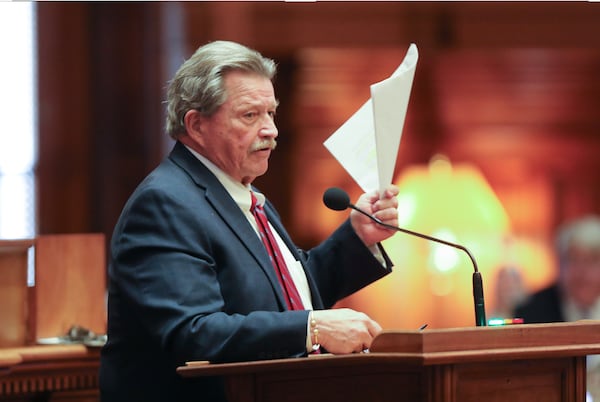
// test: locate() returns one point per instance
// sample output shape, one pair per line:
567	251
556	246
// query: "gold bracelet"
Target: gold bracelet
315	331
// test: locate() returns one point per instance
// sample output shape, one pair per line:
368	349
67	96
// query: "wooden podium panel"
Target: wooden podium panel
70	284
548	380
534	362
50	283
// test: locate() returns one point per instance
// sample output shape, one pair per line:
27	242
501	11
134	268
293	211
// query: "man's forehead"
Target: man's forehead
251	98
251	92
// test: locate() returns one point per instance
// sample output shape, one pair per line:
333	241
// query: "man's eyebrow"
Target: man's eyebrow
254	103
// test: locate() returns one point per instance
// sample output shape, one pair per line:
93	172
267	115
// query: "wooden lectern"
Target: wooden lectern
530	362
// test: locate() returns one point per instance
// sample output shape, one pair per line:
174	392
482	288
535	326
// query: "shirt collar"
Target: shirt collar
238	191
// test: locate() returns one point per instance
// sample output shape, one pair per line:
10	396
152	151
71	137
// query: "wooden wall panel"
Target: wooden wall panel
128	90
101	124
65	164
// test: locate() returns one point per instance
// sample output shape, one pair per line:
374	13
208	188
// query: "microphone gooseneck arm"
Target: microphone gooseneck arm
338	200
478	299
424	236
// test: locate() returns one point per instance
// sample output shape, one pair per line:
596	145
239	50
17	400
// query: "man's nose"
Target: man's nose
268	127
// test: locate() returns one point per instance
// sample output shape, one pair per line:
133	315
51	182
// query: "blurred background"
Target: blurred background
501	142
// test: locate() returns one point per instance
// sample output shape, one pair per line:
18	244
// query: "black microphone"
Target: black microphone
338	200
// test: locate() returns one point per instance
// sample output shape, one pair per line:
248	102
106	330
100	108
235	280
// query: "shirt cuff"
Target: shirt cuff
308	337
376	251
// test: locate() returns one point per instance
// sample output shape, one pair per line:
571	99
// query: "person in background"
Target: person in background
201	267
575	295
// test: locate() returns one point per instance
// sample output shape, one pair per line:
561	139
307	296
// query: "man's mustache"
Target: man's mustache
263	144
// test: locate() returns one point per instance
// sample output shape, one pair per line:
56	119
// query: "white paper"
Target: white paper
367	144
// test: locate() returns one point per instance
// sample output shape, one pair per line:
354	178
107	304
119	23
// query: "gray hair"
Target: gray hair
199	82
584	232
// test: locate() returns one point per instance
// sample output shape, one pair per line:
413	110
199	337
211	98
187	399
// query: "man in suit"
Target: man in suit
190	277
576	293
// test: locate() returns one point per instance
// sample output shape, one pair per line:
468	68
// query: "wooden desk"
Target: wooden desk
535	362
49	373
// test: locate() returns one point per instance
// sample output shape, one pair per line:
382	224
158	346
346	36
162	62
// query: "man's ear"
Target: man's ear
193	121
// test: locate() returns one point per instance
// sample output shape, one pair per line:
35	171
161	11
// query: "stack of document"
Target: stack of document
367	144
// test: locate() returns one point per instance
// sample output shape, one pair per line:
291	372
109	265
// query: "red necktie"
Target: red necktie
292	297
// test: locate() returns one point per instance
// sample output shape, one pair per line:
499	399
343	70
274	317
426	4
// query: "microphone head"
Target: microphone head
335	198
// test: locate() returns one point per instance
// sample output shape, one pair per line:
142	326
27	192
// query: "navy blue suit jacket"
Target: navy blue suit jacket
189	280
